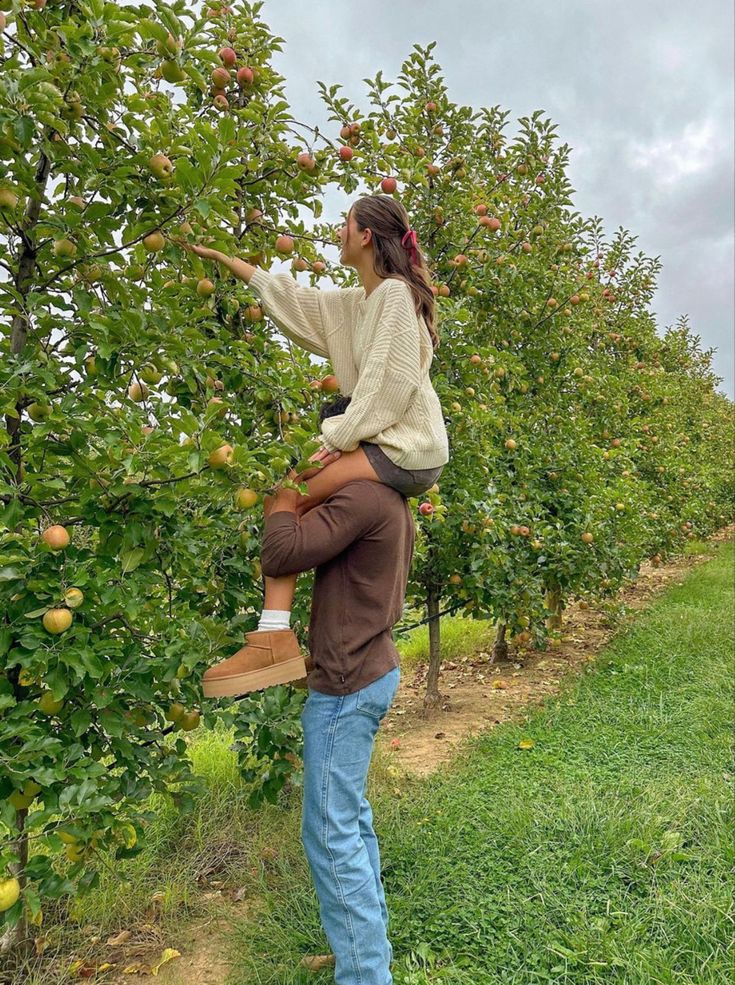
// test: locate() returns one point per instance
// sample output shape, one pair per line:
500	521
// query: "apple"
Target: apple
299	263
330	384
244	76
431	107
587	538
57	620
174	712
3	21
172	72
253	313
388	185
221	77
73	597
284	244
38	412
170	46
221	102
154	241
75	852
72	108
433	169
221	457
476	359
56	537
245	498
306	161
455	579
228	56
426	509
64	248
47	705
346	153
205	287
217	404
190	720
9	893
510	444
161	166
110	55
481	209
318	266
8	199
137	391
150	373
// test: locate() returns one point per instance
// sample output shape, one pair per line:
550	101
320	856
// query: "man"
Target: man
361	542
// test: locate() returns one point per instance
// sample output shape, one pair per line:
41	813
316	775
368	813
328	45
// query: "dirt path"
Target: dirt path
473	702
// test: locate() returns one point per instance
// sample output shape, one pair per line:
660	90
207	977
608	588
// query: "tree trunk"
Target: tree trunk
15	939
433	699
500	646
555	606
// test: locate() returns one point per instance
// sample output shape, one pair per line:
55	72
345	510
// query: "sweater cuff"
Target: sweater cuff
259	280
327	444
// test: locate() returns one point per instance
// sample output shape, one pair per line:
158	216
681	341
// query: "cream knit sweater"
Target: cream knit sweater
380	351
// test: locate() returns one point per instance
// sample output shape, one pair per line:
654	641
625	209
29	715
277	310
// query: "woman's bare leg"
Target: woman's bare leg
279	592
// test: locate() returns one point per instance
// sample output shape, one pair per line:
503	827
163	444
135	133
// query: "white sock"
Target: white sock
275	619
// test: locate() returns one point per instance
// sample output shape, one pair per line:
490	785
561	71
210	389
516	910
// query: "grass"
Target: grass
602	855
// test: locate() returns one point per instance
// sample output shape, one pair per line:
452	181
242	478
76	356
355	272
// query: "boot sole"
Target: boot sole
255	680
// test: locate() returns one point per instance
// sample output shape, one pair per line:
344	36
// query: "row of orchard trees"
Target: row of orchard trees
148	407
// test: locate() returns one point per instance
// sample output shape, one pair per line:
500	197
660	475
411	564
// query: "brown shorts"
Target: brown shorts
409	482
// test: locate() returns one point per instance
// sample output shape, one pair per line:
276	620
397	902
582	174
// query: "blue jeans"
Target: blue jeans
337	827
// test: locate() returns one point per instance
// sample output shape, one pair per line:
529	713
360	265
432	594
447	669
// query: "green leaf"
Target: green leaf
149	29
131	559
80	721
24	128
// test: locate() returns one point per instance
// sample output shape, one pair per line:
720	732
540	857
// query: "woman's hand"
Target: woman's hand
202	251
324	456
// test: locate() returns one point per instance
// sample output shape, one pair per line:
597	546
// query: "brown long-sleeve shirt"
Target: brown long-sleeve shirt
361	541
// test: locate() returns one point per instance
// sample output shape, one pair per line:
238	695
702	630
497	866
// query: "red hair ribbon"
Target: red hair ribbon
409	243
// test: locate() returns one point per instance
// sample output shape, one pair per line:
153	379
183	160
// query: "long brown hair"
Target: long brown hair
389	222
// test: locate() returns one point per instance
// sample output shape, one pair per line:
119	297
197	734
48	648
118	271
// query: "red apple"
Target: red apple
56	537
221	77
227	56
388	185
306	161
284	244
346	153
244	76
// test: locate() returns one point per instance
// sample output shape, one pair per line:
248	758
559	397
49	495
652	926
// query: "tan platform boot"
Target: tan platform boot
270	656
309	663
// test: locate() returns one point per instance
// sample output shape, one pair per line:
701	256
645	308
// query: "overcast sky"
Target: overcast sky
641	90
